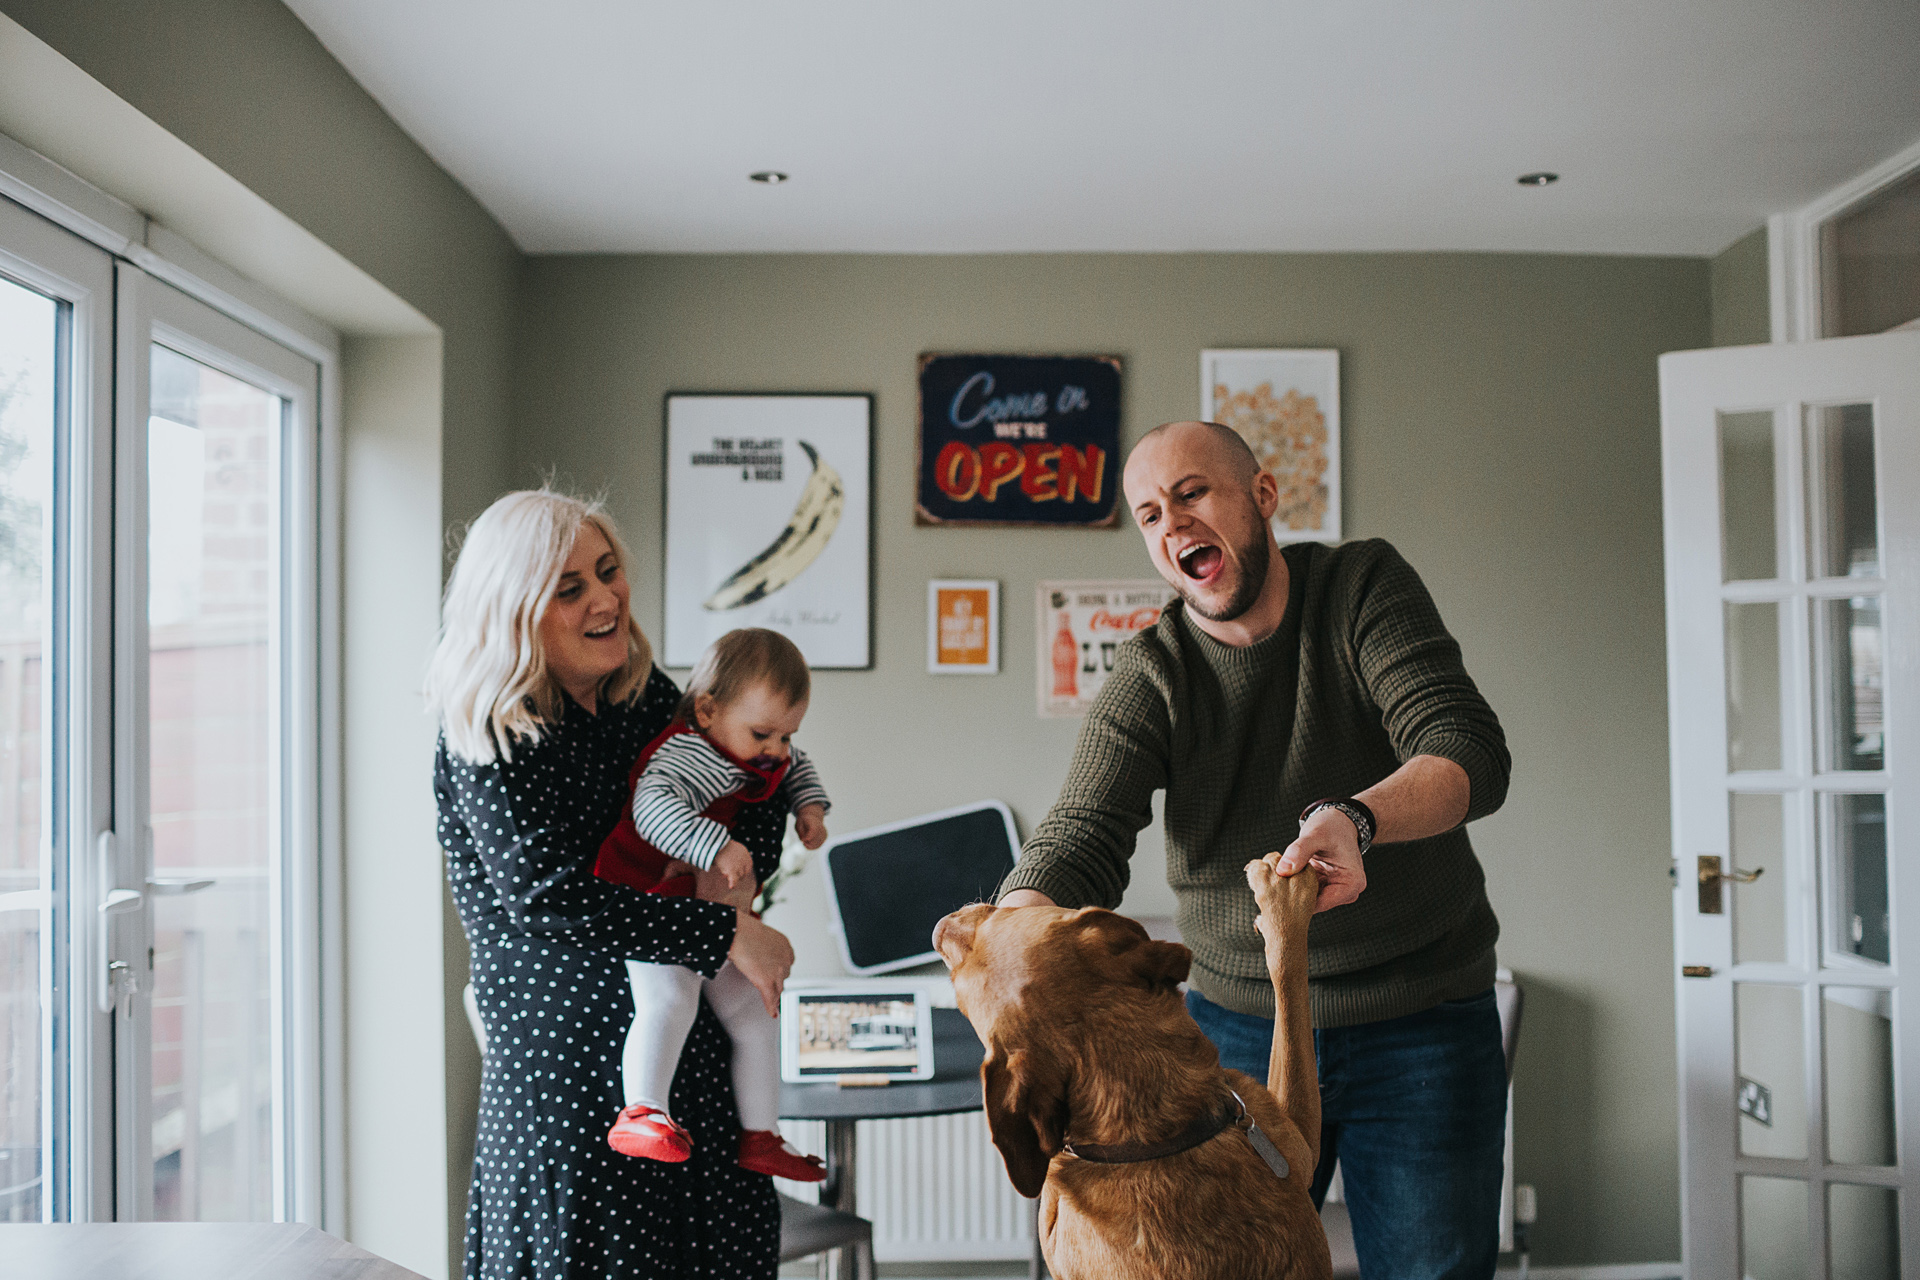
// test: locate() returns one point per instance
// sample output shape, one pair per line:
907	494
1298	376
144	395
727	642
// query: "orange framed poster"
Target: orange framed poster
963	627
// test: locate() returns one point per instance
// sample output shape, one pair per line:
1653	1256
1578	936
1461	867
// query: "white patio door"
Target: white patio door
210	971
1792	505
159	749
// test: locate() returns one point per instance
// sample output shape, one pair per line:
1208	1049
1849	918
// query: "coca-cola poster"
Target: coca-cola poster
1081	628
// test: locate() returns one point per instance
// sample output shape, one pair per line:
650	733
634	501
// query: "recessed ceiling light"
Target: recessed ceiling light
1537	179
771	177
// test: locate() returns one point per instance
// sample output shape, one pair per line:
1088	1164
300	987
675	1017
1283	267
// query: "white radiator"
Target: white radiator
934	1189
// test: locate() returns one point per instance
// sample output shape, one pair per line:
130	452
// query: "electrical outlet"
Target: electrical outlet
1525	1204
1756	1102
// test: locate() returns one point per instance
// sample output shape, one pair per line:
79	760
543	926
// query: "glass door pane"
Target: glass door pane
1852	833
1754	716
1863	1233
1746	495
1774	1234
1757	824
213	577
1843	527
1858	1065
1849	688
30	356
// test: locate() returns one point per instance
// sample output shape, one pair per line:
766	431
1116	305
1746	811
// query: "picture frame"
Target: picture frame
1018	440
768	522
1285	403
875	1029
963	626
1079	628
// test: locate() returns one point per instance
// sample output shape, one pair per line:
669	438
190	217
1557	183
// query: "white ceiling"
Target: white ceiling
1032	125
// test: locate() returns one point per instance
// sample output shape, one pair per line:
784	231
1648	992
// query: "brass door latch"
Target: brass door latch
1710	877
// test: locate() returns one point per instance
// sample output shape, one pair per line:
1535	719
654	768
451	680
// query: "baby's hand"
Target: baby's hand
711	886
810	824
676	868
735	863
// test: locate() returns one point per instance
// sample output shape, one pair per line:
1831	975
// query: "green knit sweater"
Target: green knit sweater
1360	677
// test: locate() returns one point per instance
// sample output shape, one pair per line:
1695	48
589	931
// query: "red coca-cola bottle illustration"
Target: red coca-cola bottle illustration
1066	661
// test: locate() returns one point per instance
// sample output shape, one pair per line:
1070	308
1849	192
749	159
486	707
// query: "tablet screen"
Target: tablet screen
840	1034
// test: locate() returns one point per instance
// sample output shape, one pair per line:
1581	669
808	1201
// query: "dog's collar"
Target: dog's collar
1205	1127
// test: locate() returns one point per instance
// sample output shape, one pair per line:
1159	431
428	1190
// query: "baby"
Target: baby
730	744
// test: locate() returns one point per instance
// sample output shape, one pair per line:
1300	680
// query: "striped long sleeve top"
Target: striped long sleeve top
685	776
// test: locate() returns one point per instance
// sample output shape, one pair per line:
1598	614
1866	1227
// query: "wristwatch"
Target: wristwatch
1357	813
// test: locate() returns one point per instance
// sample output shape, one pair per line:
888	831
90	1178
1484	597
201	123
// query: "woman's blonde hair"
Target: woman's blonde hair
488	680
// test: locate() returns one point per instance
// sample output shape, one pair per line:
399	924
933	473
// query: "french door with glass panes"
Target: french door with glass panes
158	749
1792	504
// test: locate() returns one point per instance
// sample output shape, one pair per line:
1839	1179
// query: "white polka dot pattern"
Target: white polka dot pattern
550	1200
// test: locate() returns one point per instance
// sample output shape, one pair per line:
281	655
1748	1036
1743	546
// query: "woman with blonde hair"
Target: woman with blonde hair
546	692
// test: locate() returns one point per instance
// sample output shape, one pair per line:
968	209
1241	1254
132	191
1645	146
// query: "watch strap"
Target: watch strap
1356	811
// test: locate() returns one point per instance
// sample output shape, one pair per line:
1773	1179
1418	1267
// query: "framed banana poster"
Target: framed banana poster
768	523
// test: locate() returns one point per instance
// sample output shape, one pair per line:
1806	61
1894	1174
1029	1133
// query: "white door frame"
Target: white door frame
1794	269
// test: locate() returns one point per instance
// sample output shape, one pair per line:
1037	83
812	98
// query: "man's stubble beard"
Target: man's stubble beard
1254	560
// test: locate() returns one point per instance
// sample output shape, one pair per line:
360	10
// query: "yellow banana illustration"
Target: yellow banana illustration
814	519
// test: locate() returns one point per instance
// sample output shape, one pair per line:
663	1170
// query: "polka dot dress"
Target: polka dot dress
549	1198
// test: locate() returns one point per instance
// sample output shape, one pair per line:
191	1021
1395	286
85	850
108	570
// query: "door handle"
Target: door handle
1711	875
173	888
117	979
112	977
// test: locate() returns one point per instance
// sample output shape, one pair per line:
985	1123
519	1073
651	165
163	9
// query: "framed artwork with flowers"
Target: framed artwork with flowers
1286	405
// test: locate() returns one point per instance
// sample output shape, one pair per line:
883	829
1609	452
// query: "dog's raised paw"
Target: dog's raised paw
1286	897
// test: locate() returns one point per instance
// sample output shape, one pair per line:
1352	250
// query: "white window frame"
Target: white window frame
315	989
1795	264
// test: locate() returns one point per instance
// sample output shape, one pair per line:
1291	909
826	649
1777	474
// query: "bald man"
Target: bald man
1308	698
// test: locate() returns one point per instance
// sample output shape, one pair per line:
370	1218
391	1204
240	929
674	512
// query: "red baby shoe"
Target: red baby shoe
764	1151
649	1133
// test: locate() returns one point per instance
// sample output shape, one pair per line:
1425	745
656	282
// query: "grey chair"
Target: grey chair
805	1229
813	1228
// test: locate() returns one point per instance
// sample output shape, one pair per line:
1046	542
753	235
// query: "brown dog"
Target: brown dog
1089	1045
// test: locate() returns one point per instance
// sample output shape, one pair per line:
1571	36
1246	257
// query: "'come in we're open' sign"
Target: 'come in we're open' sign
1029	440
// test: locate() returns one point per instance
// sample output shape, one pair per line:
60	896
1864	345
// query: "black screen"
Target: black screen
893	888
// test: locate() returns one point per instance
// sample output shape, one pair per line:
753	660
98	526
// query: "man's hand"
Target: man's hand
1330	844
1026	898
734	864
810	824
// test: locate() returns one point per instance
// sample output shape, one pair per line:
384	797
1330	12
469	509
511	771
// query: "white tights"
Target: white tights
665	999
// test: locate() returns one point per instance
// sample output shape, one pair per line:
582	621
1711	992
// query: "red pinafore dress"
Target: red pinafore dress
626	858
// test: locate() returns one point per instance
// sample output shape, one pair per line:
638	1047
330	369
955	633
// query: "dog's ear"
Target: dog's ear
1026	1104
1162	965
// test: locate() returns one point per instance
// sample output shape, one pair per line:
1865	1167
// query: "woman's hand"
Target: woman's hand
764	956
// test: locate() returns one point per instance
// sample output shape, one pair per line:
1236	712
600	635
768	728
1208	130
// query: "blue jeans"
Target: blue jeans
1415	1110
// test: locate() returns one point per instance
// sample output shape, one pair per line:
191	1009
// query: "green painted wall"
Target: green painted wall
1742	299
1501	427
